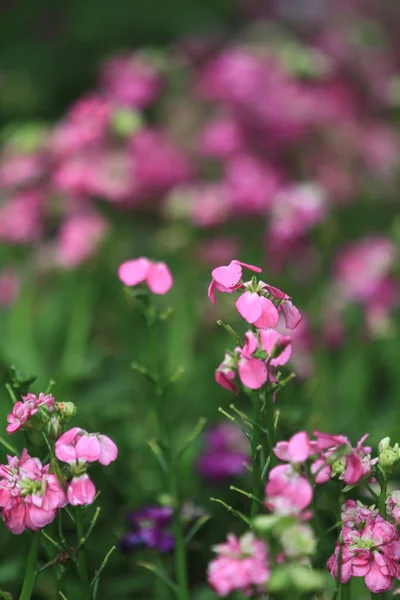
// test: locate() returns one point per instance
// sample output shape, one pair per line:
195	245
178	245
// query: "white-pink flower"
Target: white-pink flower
77	445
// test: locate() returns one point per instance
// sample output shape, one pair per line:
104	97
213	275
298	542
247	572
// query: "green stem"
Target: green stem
173	467
81	558
30	569
255	455
382	499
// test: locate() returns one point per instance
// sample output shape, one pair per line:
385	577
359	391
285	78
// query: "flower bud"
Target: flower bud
388	455
67	409
53	428
298	541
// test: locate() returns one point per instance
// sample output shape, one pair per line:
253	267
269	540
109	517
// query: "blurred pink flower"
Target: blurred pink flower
241	565
297	450
21	217
79	238
287	491
9	286
156	275
131	80
221	138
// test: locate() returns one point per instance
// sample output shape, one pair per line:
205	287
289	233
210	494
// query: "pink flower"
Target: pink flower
9	286
352	465
156	274
372	553
241	564
355	514
23	411
29	496
81	490
79	237
393	507
277	346
77	445
297	450
226	279
131	80
221	138
21	217
252	371
287	491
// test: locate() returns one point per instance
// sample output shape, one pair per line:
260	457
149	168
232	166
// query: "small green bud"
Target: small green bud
53	428
338	466
383	444
67	409
126	121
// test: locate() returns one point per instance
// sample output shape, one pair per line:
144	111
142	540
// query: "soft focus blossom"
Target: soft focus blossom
156	275
372	553
29	495
79	237
287	491
241	565
226	452
150	527
9	286
21	217
297	450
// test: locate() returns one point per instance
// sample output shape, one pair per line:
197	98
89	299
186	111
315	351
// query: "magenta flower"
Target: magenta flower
241	565
355	514
81	490
23	411
351	466
252	371
372	553
157	276
29	495
76	445
287	491
225	454
79	238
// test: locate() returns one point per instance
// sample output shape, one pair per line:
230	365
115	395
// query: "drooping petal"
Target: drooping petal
250	267
211	292
88	448
354	469
225	380
291	313
134	271
269	314
249	306
376	582
159	278
81	491
252	372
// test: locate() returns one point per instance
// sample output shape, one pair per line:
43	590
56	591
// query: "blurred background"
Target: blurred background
196	132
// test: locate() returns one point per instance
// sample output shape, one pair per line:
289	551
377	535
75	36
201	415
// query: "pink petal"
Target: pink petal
269	314
134	271
281	451
88	448
268	338
252	372
81	491
37	518
249	306
159	278
225	381
211	291
251	344
65	452
250	267
228	276
109	450
291	313
354	469
299	447
376	582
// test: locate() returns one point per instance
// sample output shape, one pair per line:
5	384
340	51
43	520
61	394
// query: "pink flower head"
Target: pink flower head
81	490
241	565
23	411
78	446
226	279
372	553
355	514
393	507
156	275
297	450
351	465
29	496
287	491
252	371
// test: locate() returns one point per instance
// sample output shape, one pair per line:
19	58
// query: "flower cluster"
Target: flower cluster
78	449
23	411
30	496
241	564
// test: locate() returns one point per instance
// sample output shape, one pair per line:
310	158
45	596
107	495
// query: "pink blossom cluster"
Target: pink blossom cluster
369	548
24	410
241	565
79	449
30	496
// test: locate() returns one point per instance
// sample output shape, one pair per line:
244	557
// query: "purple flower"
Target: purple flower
225	453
